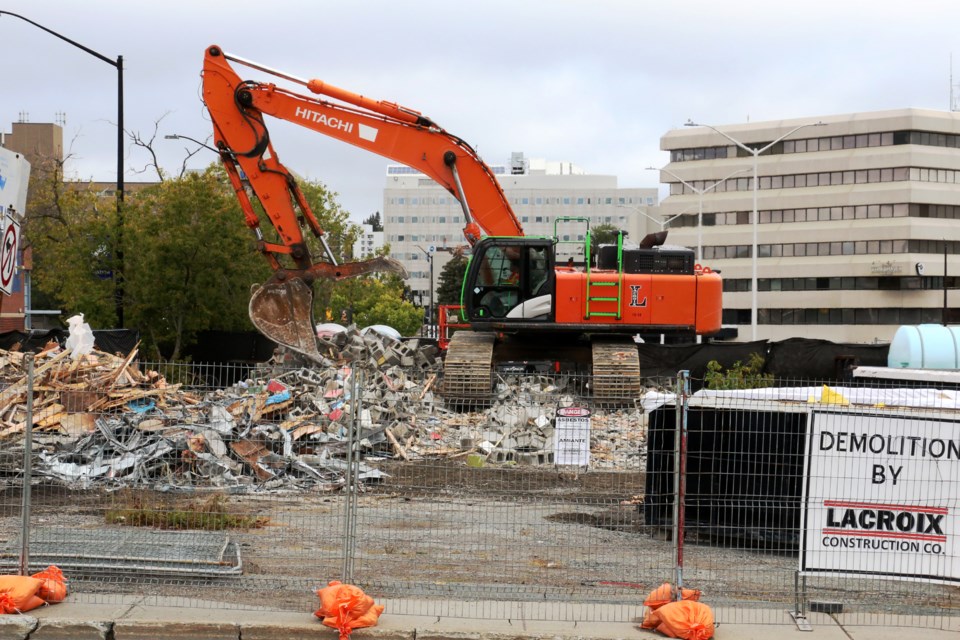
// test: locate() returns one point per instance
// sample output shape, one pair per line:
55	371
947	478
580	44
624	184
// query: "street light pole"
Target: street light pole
755	152
429	255
700	193
118	64
662	223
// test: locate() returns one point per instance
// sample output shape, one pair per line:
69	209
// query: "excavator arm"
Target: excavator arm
237	108
282	308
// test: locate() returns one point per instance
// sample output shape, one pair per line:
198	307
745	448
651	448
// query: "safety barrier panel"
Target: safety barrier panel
245	487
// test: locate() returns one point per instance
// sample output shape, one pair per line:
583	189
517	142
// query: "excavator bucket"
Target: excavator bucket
282	309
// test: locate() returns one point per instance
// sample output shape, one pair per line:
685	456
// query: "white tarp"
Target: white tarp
946	399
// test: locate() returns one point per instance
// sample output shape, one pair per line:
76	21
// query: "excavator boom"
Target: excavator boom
282	307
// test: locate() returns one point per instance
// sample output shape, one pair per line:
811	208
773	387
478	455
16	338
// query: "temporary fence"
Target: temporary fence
202	486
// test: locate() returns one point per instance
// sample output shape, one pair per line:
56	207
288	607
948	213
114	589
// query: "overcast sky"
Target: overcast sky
593	82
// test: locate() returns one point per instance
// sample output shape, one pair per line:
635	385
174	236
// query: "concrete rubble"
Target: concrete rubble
287	428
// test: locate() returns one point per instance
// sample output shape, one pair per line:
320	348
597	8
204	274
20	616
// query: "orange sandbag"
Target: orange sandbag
21	592
687	619
664	594
54	587
345	607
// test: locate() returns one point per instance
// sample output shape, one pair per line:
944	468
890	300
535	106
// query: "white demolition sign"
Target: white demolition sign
571	436
881	496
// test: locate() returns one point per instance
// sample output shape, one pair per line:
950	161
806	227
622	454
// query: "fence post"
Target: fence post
351	478
680	474
27	475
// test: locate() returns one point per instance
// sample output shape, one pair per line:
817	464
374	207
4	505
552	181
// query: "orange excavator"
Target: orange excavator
521	305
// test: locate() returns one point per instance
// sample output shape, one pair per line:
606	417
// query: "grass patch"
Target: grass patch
209	513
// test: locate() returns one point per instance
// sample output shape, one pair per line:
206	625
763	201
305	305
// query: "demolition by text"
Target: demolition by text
891	445
880	544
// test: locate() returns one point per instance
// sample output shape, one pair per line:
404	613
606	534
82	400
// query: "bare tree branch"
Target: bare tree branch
147	144
190	154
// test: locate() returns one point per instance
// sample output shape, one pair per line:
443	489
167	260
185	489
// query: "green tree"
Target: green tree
376	300
602	234
193	262
738	376
71	232
451	280
374	221
339	233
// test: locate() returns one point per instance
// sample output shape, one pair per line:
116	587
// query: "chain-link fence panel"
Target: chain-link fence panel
249	486
816	498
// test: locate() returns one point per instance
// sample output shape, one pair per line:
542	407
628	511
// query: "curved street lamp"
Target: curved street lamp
429	255
755	152
642	211
118	64
700	193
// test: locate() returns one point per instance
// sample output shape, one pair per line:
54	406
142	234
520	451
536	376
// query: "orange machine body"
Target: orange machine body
649	300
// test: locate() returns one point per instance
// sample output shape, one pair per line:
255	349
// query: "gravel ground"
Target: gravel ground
438	531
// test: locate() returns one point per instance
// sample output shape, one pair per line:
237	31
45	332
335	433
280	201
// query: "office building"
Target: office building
368	243
420	214
857	231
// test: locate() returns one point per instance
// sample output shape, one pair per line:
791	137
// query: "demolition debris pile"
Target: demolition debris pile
106	420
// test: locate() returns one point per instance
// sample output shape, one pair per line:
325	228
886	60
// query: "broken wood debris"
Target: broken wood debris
106	419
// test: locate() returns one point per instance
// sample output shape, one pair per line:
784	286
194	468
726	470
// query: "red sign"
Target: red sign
573	412
8	254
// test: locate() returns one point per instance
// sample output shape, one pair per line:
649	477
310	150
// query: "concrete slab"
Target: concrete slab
17	627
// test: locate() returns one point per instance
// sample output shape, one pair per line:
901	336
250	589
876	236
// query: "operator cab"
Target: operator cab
510	279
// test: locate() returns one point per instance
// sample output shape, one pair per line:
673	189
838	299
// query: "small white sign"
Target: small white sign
9	249
881	497
571	436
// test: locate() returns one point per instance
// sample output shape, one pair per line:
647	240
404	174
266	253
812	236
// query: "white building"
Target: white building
419	213
856	217
368	243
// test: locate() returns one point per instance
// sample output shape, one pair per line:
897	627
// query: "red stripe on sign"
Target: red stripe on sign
884	534
875	505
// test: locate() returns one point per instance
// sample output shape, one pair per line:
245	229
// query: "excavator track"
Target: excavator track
616	371
467	367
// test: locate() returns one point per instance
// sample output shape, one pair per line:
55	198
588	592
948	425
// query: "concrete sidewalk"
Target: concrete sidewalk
133	620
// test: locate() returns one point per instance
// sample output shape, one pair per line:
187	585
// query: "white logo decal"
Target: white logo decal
319	118
635	296
367	133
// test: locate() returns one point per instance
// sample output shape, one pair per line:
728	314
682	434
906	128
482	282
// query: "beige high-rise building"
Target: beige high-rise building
39	142
855	218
